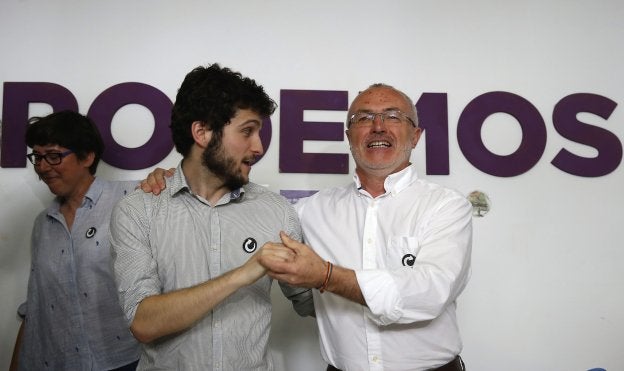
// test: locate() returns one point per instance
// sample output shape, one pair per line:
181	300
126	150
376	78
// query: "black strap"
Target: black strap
456	364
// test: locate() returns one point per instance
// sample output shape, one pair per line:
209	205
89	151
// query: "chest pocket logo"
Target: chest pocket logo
408	260
90	232
250	245
401	251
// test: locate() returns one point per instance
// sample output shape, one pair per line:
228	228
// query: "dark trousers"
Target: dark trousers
455	365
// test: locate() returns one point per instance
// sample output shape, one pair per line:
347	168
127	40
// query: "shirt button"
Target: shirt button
375	359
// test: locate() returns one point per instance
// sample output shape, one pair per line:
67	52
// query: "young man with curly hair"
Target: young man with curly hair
186	260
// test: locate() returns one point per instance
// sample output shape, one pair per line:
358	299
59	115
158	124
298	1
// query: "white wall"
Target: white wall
546	291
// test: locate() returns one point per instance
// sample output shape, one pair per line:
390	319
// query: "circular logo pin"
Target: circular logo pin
250	245
90	232
408	260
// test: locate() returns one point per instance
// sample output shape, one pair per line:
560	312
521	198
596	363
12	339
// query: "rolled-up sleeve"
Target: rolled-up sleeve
439	274
134	265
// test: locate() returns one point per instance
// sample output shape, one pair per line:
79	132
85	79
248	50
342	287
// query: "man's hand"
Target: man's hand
298	265
293	262
155	181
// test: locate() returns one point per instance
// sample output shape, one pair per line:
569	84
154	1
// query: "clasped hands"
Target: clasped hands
292	262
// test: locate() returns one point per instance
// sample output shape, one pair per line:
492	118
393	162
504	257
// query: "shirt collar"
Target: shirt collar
91	197
179	184
395	182
95	191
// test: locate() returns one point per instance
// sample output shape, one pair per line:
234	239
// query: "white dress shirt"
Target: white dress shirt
410	249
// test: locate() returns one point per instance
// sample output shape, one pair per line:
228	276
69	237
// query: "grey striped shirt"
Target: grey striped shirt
177	240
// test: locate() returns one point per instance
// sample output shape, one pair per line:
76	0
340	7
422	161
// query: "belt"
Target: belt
456	364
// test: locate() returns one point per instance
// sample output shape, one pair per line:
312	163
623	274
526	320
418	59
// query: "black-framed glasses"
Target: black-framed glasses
52	158
391	117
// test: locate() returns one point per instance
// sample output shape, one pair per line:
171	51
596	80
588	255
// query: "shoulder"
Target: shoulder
123	184
116	188
430	188
139	203
325	201
257	192
439	196
41	217
329	195
50	209
126	186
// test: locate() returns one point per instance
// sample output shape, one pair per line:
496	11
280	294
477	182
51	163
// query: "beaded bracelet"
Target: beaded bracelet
330	268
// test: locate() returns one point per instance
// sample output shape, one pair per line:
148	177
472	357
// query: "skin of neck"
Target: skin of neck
372	180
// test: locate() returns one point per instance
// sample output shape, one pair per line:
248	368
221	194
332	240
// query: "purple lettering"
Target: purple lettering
605	142
533	134
293	131
265	136
17	97
433	117
157	147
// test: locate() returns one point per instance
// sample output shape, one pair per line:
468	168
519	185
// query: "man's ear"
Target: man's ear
88	160
416	136
201	133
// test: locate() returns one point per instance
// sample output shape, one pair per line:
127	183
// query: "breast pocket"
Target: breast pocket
402	251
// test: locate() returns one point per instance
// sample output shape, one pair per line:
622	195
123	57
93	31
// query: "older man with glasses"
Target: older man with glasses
388	253
72	316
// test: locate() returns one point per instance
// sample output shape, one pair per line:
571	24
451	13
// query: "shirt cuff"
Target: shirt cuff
381	294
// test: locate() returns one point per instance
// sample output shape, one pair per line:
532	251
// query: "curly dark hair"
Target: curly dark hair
68	129
212	95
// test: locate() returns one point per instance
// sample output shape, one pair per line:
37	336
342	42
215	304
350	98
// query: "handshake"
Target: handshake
288	261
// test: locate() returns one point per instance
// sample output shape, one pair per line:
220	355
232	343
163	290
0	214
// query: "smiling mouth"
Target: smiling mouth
379	144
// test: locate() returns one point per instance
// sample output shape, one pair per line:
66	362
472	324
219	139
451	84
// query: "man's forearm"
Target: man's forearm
343	282
175	311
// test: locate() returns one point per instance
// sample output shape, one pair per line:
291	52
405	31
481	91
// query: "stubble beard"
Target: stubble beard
221	165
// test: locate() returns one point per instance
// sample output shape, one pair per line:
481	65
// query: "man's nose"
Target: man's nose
378	123
257	148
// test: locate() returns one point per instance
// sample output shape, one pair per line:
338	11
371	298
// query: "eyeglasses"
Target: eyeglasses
52	158
391	117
